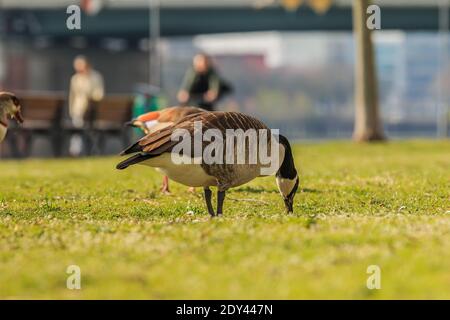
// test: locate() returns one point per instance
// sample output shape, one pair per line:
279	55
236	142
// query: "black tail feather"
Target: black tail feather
133	160
132	149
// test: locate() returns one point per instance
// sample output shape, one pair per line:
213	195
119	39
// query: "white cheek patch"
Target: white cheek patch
286	185
3	130
151	123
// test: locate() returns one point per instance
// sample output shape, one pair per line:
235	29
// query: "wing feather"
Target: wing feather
160	141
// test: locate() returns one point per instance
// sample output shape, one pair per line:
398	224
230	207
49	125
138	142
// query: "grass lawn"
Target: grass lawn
359	205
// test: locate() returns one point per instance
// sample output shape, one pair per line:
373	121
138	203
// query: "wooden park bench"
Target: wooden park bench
42	114
44	117
107	120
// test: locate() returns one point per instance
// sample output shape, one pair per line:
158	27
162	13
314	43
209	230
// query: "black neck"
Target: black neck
287	169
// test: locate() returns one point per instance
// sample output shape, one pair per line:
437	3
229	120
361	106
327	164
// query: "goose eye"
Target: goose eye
15	101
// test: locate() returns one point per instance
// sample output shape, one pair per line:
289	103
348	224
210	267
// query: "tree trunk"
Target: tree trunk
368	126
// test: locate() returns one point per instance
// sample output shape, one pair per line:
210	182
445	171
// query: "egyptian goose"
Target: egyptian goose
9	106
156	120
160	150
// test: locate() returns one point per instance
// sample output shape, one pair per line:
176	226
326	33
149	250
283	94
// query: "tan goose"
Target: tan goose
156	120
9	106
161	150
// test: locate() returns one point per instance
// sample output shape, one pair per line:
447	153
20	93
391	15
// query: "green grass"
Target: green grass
359	205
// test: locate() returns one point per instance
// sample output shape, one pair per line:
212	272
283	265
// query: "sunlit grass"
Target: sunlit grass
359	205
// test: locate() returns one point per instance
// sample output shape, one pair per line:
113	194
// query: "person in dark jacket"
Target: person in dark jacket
201	85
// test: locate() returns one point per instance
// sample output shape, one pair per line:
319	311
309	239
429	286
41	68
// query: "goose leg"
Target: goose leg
208	195
165	185
220	199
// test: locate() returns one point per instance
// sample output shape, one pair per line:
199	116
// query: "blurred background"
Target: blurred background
290	62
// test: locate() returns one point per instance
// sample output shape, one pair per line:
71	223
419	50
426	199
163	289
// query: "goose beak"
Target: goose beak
136	124
130	124
289	204
288	191
18	116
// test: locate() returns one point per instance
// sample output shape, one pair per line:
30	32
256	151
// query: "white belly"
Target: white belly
3	130
155	125
191	175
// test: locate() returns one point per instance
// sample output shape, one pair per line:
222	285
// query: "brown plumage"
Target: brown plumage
210	120
174	114
157	120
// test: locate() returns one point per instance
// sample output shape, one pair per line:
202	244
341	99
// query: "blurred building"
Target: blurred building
299	77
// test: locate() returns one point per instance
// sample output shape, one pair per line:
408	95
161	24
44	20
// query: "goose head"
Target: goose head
145	121
10	106
287	177
288	188
135	123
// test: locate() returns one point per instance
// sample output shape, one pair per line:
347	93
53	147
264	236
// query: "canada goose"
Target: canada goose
157	120
9	105
159	149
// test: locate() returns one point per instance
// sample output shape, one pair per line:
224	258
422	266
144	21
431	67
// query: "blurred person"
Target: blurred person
85	85
202	86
